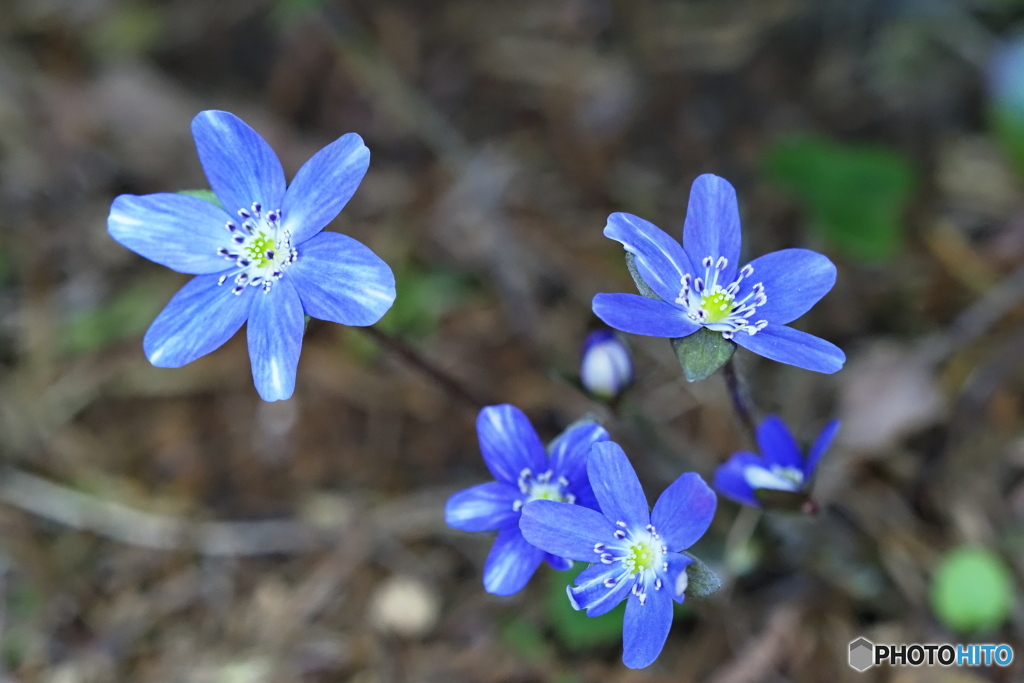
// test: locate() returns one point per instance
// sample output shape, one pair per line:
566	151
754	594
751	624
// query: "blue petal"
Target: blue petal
240	165
731	478
585	496
180	232
640	315
712	226
659	258
684	511
591	594
569	531
509	443
616	486
777	444
511	563
483	508
794	280
569	454
677	564
275	333
645	628
559	564
324	185
821	444
786	345
341	280
197	320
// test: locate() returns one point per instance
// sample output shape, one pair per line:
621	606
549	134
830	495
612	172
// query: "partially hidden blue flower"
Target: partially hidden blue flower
606	366
635	551
524	471
1006	76
263	258
780	467
700	285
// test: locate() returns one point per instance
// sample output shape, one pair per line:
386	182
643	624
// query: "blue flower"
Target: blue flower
262	258
524	472
700	285
1006	76
635	551
780	467
606	367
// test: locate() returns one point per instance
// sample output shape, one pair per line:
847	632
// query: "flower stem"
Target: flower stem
738	394
418	361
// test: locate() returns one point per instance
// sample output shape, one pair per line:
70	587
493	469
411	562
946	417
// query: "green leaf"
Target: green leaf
972	590
208	195
702	353
1008	126
575	629
423	298
129	314
526	639
856	194
701	581
128	30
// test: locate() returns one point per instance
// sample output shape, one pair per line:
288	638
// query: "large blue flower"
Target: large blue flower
700	285
635	550
780	467
516	457
261	259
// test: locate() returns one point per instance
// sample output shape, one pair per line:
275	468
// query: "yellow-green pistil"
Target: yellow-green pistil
259	248
718	305
709	303
640	557
541	487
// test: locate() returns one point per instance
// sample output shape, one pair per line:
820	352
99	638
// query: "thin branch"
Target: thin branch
121	523
417	360
738	394
409	517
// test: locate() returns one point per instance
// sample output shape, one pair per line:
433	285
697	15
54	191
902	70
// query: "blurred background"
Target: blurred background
167	525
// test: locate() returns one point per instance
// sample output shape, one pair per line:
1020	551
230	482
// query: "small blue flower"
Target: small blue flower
635	551
780	467
524	472
606	367
262	258
1006	76
700	285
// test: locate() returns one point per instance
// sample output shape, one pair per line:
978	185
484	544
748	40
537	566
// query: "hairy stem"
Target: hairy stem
738	394
418	361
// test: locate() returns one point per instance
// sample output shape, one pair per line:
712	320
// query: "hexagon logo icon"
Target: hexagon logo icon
862	654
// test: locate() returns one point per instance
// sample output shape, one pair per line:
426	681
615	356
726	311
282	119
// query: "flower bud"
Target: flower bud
606	368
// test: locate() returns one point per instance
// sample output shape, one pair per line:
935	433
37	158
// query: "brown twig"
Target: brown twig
737	392
417	360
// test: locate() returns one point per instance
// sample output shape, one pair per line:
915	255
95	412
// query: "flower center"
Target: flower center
260	248
541	487
715	307
641	555
775	477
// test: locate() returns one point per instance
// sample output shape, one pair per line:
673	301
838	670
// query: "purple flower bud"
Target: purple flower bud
606	367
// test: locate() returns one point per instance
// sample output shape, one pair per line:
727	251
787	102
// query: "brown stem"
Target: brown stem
415	359
737	392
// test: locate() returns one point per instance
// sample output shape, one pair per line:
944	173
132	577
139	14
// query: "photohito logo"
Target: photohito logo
865	654
862	654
